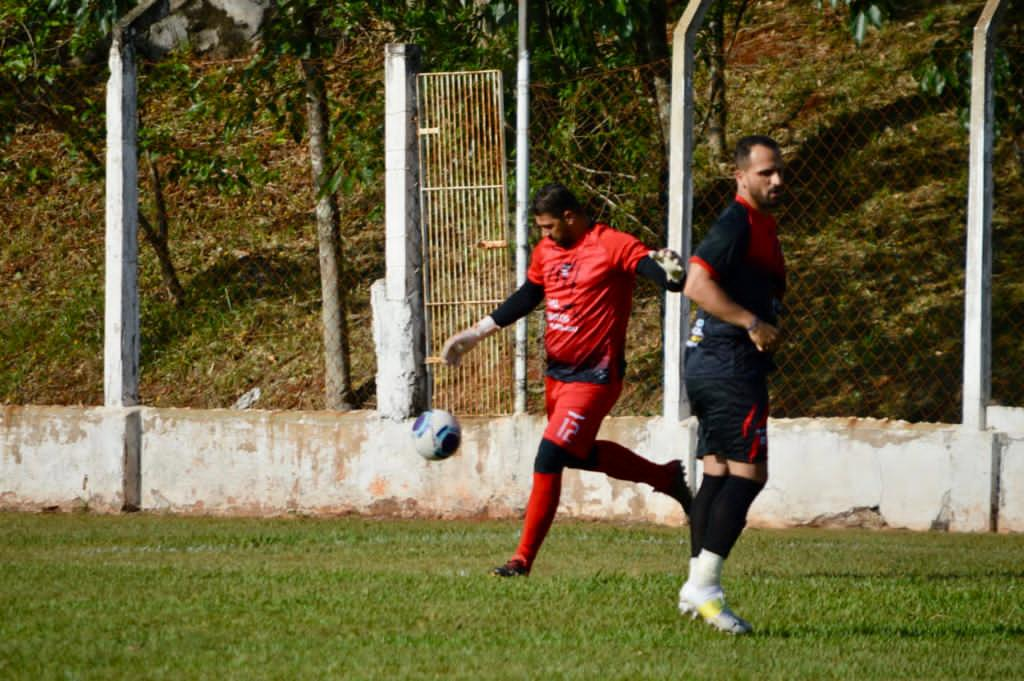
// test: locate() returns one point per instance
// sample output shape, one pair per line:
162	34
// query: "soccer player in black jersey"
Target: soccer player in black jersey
736	277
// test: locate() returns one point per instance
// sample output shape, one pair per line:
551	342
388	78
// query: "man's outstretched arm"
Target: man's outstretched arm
516	306
665	268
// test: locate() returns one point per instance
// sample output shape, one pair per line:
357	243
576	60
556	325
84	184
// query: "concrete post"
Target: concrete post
680	202
397	301
977	387
131	462
121	324
121	304
121	294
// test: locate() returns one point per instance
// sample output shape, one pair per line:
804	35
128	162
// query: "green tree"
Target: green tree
947	67
46	51
713	52
49	54
863	14
286	76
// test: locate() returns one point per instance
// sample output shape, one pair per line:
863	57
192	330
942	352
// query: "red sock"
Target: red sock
540	511
616	461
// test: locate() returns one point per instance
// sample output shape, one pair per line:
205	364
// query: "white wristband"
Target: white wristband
486	326
753	325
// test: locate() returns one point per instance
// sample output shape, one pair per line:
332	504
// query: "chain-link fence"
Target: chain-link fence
244	236
873	226
600	135
51	333
1007	236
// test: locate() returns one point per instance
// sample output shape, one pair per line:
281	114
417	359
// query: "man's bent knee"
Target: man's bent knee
758	472
553	459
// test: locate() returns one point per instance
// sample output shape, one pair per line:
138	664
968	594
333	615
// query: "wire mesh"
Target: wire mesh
466	246
600	135
1007	237
253	326
873	228
873	225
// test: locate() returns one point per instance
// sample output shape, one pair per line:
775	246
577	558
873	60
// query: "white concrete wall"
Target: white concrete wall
1005	419
917	476
62	457
321	462
1011	482
823	471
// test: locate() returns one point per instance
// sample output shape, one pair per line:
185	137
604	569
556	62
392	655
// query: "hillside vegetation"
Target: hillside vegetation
873	229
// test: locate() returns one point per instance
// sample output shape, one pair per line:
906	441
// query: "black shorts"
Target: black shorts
733	417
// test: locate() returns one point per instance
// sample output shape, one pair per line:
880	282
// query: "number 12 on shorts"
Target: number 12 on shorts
570	426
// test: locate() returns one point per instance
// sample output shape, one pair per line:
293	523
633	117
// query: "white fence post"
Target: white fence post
977	386
121	324
397	300
121	304
676	406
522	199
121	294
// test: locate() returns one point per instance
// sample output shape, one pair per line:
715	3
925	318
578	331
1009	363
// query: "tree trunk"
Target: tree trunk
718	109
158	237
652	48
337	381
663	93
59	119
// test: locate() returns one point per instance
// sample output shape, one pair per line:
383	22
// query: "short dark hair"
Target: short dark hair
745	145
554	199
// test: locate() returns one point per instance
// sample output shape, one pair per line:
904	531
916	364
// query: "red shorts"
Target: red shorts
575	412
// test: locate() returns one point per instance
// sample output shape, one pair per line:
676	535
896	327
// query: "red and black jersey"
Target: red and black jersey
589	293
743	255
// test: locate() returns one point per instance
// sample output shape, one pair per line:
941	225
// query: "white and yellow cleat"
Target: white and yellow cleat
710	605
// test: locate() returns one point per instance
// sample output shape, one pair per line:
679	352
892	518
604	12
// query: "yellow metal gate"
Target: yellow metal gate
467	255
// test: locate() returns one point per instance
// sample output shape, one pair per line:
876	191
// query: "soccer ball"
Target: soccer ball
436	434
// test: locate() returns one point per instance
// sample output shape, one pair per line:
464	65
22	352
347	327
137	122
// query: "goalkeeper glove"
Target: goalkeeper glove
465	340
669	261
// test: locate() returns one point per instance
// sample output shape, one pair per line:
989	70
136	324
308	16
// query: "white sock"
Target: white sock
706	570
691	575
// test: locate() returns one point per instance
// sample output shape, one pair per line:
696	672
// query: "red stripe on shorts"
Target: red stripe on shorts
748	420
755	445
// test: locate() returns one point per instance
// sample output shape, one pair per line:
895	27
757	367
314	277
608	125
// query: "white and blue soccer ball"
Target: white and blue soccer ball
436	434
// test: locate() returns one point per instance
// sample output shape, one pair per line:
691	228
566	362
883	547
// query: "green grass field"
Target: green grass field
157	597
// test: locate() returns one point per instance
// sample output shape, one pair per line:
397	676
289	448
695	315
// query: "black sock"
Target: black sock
728	514
700	510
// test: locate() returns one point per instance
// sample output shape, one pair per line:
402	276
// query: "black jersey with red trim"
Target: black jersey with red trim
743	255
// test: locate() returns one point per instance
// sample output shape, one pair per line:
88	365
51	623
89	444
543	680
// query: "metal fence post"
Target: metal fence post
977	387
399	326
522	198
676	406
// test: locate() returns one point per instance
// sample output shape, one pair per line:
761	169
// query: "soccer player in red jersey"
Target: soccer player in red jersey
586	272
737	277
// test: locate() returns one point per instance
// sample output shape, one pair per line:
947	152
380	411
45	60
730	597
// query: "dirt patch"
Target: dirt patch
863	517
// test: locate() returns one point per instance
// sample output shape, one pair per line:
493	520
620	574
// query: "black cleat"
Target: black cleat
513	568
681	491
